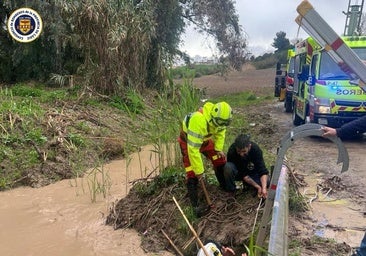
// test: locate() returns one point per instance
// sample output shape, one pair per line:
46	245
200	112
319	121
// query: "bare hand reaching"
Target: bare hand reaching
328	131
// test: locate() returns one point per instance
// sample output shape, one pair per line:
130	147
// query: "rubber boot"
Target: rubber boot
192	187
219	172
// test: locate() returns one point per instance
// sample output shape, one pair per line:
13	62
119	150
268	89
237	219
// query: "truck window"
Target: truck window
329	70
360	52
291	67
314	63
297	69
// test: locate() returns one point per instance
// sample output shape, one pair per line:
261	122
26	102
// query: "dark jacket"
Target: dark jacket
251	164
353	128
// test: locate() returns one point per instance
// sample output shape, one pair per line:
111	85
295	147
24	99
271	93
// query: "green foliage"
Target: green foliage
169	24
27	131
36	135
297	202
251	97
99	182
220	20
269	60
194	71
182	72
242	99
25	91
166	178
54	96
29	91
133	41
265	61
83	126
253	250
294	247
76	139
280	42
50	53
132	102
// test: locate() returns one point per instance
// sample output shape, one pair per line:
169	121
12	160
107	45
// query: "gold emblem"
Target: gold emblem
24	25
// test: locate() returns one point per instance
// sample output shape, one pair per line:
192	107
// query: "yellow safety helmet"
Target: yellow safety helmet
221	114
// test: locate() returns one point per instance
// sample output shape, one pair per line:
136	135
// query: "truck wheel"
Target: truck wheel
296	120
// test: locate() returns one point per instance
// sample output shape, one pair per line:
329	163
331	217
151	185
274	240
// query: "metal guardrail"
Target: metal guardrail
278	242
277	200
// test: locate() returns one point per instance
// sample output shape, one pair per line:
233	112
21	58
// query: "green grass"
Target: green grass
244	99
195	70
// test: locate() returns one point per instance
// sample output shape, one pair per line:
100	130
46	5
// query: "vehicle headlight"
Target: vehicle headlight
324	109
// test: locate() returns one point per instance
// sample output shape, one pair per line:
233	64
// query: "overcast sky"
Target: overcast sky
262	19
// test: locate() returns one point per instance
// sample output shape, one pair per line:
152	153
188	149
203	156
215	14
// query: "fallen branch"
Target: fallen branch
172	243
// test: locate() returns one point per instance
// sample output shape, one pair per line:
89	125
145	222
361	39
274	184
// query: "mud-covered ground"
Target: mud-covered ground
231	221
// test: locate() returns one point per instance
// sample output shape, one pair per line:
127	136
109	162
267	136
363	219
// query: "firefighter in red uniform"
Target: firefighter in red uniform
203	132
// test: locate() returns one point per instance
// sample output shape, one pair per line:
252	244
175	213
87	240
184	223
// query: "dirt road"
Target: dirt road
337	200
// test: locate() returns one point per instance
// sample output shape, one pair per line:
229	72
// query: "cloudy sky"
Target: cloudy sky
262	19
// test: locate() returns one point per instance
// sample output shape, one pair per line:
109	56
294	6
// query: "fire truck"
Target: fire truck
289	80
323	93
284	81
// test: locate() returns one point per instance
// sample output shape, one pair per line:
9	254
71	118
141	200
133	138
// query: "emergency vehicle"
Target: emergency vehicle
284	81
322	92
289	80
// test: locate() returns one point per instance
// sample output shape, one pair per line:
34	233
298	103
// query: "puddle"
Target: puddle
335	218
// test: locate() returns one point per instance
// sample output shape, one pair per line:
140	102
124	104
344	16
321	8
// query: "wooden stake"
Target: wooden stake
191	228
209	202
172	243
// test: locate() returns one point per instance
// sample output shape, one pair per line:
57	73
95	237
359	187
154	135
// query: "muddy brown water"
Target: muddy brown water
60	219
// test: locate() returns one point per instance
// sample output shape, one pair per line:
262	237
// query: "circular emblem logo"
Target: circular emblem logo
25	25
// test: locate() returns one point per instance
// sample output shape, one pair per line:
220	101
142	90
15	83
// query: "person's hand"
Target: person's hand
227	251
328	131
264	193
259	193
221	154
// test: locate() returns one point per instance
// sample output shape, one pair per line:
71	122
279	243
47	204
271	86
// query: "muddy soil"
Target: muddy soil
313	162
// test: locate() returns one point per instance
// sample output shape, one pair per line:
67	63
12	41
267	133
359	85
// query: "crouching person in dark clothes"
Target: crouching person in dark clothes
245	163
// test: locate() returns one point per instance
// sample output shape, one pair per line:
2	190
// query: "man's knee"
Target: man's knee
229	169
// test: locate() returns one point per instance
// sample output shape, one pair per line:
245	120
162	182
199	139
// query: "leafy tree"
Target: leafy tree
219	19
38	59
115	44
280	42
